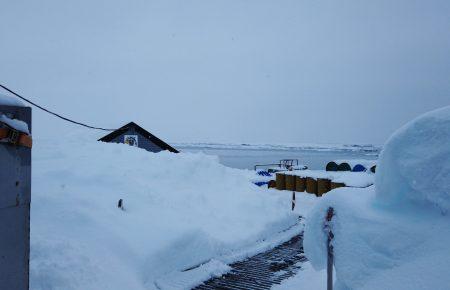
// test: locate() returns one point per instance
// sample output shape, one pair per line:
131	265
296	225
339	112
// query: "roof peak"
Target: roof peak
142	131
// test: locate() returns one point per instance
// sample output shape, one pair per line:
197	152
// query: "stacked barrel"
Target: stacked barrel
320	182
317	186
352	165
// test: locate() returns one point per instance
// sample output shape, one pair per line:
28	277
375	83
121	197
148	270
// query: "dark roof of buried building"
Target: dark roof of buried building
111	136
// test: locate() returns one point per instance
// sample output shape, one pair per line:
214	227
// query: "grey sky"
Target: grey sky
230	71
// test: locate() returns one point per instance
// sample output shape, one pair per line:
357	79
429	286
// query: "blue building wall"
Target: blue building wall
143	142
15	198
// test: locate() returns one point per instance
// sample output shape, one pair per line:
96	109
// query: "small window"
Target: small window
131	140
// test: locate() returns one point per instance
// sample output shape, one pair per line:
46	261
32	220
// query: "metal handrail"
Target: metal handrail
272	164
287	161
282	163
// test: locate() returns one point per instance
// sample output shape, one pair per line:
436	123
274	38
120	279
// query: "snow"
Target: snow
397	235
187	217
415	165
215	267
189	279
376	248
19	125
13	123
181	210
10	101
306	279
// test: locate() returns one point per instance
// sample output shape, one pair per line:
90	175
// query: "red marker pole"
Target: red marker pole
293	200
330	254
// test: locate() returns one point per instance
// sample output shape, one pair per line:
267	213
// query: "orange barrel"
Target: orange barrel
311	185
300	183
281	181
334	185
290	182
323	186
272	184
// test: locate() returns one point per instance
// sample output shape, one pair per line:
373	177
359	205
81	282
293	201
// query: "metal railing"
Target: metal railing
283	163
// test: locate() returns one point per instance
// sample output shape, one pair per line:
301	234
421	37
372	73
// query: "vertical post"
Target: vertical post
330	254
15	196
120	204
293	200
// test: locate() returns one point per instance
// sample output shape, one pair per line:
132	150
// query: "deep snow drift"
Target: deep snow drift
415	164
396	236
181	210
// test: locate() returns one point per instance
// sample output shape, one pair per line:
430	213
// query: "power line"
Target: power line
53	113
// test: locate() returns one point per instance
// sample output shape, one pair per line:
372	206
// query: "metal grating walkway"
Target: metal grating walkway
261	271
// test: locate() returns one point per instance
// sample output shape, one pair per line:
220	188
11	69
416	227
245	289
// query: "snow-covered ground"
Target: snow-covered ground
181	210
306	279
396	234
187	211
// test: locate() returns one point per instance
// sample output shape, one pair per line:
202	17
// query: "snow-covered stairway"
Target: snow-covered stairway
262	271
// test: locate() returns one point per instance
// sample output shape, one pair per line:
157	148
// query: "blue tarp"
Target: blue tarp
261	183
264	173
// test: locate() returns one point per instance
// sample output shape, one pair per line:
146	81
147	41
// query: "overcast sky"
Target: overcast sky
230	71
